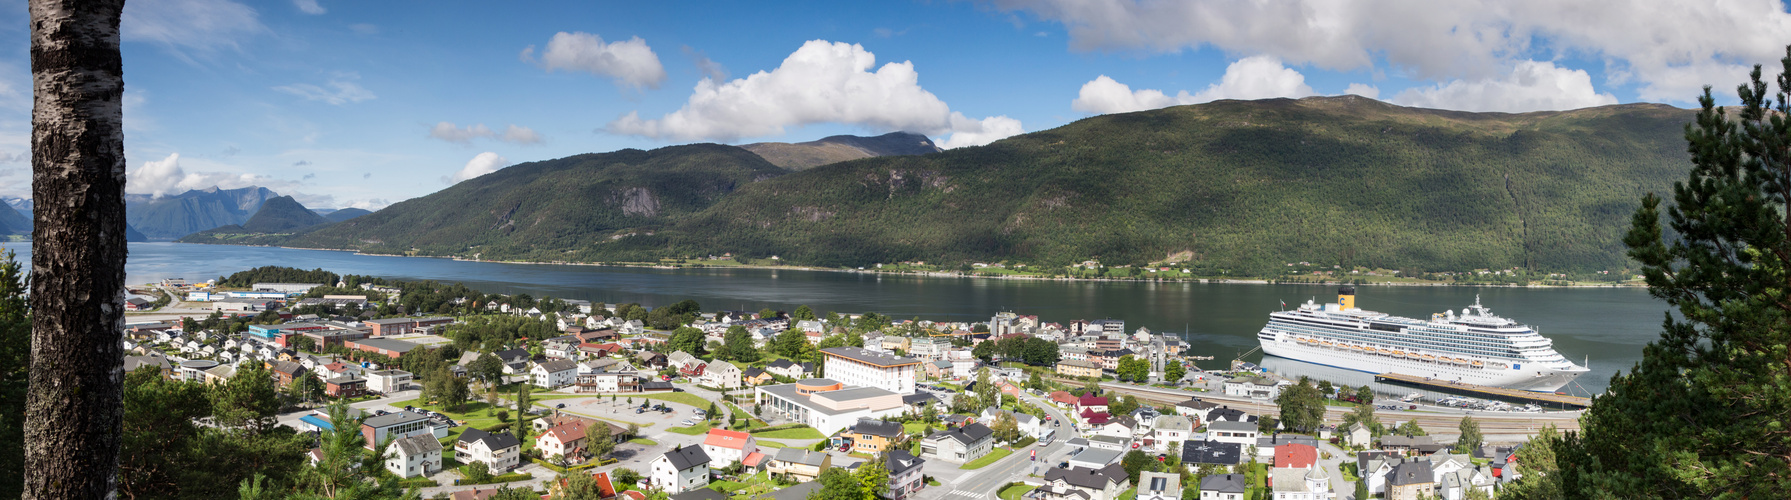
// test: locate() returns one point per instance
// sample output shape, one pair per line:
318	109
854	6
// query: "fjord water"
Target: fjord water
1609	325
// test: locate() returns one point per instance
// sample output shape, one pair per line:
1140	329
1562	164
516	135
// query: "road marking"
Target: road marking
970	494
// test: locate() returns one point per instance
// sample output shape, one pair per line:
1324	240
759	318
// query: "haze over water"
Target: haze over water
1608	324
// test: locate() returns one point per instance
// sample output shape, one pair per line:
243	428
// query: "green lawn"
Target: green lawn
913	427
996	454
644	441
797	433
1129	494
474	416
1349	471
1014	492
701	428
764	443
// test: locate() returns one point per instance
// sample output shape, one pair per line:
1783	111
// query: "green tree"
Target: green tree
1362	414
738	345
790	342
984	351
1361	489
521	429
1539	469
1410	428
15	366
837	484
987	395
686	339
1302	407
1006	430
873	478
1035	382
1134	462
1174	371
1365	395
1470	435
247	400
1122	405
767	313
803	313
1718	372
487	368
579	487
602	443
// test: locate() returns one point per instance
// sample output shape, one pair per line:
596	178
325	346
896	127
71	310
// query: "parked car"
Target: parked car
638	411
561	405
687	422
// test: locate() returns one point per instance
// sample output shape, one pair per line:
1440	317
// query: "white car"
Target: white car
687	422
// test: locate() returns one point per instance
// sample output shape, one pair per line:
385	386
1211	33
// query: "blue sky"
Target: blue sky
369	103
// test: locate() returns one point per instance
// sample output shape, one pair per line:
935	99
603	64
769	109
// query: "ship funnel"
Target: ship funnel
1346	298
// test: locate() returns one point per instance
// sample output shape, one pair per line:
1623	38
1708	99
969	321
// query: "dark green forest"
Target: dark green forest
1239	187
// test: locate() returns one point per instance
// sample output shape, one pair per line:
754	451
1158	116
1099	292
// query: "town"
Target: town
492	395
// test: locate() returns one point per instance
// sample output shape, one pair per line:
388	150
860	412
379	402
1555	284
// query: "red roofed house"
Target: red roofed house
725	447
605	489
1295	456
1091	417
1091	402
694	370
756	461
600	350
1008	388
1063	398
566	439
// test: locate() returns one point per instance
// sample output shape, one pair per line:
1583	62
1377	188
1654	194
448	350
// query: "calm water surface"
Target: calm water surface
1609	325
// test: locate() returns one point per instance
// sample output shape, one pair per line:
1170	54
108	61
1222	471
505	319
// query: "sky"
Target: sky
364	104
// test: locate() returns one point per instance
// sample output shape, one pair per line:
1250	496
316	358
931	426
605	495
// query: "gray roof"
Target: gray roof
800	455
703	493
418	444
687	457
788	392
1212	452
968	434
1083	477
1415	472
877	428
389	345
390	321
558	365
395	418
899	461
863	355
1230	426
855	393
797	492
492	441
1223	483
1098	456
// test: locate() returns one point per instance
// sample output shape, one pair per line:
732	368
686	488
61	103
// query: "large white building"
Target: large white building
827	405
857	366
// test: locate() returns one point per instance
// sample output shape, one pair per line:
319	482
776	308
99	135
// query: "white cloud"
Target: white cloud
1258	77
447	131
629	62
198	25
482	164
711	69
342	90
374	204
1669	48
968	132
308	6
165	176
1364	90
520	135
821	82
1533	86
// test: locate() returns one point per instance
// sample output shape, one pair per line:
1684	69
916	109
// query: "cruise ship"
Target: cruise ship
1473	347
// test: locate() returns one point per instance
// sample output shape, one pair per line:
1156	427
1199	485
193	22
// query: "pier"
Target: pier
1545	398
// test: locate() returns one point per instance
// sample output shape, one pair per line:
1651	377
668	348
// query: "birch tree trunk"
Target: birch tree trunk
74	410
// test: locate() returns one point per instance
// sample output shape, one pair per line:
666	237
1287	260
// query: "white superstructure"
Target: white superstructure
1474	347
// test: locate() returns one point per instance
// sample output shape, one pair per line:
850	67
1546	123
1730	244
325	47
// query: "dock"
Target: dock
1544	398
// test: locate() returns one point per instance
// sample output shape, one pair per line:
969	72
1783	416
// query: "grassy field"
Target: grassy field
766	443
684	398
1014	492
913	427
797	433
644	441
1129	494
474	416
996	454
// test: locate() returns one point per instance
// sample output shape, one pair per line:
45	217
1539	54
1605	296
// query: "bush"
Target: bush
1025	441
475	473
420	482
778	428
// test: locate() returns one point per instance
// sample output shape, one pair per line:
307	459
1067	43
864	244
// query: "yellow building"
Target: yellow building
1075	368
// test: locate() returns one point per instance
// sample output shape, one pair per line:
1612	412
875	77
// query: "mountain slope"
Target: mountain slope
345	214
171	217
13	222
835	149
282	214
540	210
1245	185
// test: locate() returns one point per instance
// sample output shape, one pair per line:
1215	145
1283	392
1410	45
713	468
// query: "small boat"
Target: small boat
1478	364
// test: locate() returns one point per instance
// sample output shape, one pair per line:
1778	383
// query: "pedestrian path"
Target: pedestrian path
965	493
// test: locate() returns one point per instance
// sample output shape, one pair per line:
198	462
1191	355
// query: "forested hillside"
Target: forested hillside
1243	184
543	210
1233	186
173	216
838	148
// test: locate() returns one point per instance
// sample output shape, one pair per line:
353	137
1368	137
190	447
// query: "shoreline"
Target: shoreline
935	274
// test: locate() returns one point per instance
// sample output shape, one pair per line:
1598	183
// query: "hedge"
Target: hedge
421	482
502	478
778	428
1025	441
563	470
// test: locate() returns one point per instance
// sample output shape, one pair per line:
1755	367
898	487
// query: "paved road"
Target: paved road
983	483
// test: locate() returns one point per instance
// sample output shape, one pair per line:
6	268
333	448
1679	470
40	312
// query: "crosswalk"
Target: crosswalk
965	493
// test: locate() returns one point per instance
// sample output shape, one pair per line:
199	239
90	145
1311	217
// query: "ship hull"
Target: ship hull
1521	377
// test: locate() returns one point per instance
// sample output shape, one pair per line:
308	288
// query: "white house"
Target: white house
1244	433
1174	428
415	456
725	447
387	380
554	374
681	469
499	452
722	375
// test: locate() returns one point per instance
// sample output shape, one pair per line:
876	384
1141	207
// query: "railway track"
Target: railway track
1437	423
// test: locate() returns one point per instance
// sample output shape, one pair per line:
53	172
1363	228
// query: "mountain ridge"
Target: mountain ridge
838	148
1234	186
174	216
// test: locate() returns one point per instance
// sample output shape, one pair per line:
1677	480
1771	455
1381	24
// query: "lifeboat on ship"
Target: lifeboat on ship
1384	351
1427	357
1477	363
